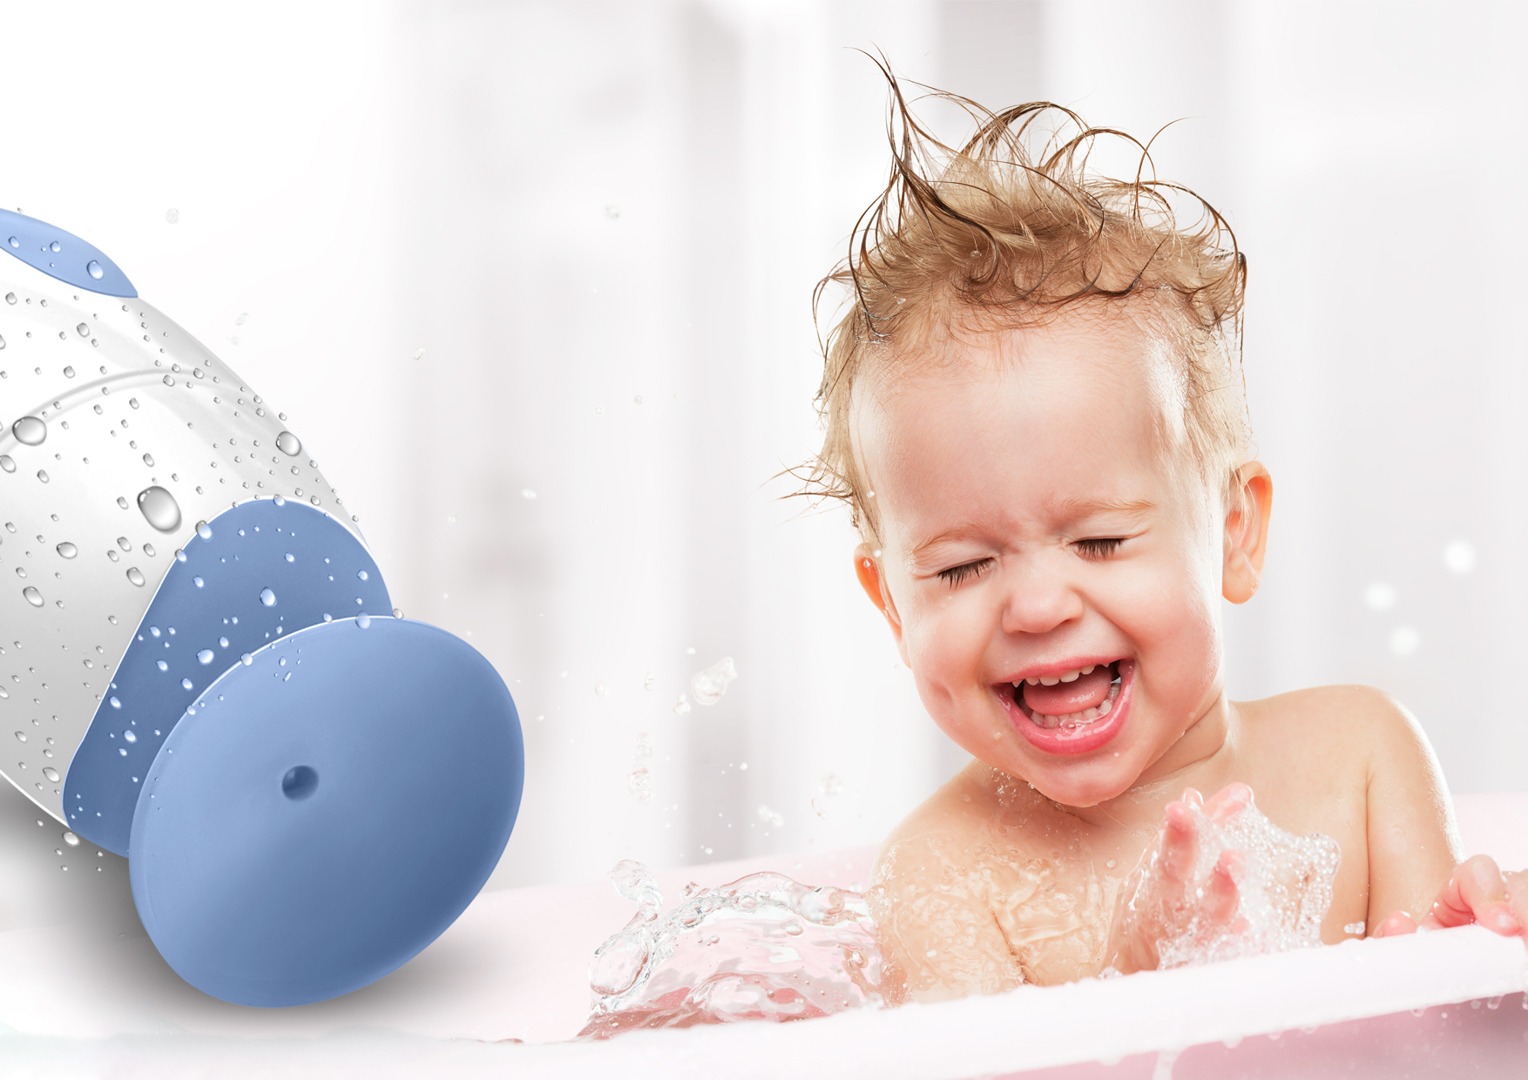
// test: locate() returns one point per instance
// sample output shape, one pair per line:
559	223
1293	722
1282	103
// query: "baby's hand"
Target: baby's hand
1163	900
1477	892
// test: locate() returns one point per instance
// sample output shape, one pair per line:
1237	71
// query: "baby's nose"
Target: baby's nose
1036	603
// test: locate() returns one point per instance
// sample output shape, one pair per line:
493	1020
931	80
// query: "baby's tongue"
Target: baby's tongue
1084	692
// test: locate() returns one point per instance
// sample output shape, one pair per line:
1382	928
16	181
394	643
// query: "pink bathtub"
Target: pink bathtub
85	1000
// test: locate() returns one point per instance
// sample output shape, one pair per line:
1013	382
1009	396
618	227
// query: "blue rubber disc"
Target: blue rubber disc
324	811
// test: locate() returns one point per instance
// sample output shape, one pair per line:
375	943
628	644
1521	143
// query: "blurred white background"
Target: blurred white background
532	282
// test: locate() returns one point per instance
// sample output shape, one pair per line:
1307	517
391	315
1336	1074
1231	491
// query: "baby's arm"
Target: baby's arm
1416	876
932	909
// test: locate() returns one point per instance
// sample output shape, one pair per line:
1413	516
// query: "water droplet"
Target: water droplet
288	444
168	380
204	530
135	575
159	506
363	620
246	659
115	704
67	550
30	430
21	736
681	705
42	475
15	243
205	656
601	690
69	374
83	329
33	596
172	215
267	598
148	459
418	354
93	268
527	493
198	582
51	773
122	750
363	575
709	685
10	298
130	735
186	684
640	783
7	463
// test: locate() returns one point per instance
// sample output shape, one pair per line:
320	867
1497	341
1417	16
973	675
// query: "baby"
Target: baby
1035	411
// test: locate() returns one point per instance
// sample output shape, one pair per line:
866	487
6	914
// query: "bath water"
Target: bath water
766	947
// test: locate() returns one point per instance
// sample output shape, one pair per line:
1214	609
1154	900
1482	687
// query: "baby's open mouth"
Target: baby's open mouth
1070	700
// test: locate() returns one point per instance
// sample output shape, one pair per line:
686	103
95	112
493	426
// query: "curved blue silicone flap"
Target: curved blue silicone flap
62	255
325	812
260	570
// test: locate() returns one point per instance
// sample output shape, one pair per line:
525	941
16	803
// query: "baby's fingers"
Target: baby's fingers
1400	922
1476	893
1223	897
1517	898
1180	842
1229	801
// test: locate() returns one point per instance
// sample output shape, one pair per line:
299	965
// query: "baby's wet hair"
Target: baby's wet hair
1006	231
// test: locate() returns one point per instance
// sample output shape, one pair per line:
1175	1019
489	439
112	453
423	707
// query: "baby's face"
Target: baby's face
1041	519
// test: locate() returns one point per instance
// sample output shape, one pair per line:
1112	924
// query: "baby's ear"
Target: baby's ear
1246	532
868	569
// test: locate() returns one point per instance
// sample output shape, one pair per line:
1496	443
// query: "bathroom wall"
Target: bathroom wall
533	282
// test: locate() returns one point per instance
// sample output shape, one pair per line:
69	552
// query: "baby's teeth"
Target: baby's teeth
1073	677
1089	669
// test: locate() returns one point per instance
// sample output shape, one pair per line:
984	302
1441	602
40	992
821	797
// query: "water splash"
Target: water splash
1284	890
764	947
708	686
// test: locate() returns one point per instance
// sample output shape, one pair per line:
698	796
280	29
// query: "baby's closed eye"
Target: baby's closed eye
965	571
1100	547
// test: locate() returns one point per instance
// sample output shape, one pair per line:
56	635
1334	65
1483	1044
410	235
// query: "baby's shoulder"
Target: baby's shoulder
1364	709
1340	725
946	831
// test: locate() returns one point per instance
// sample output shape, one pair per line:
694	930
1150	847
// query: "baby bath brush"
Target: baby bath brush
200	662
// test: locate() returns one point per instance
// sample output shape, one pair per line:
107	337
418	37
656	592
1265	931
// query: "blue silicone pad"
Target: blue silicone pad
62	255
211	609
325	812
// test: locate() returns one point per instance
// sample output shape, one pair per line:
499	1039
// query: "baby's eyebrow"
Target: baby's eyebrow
1073	508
